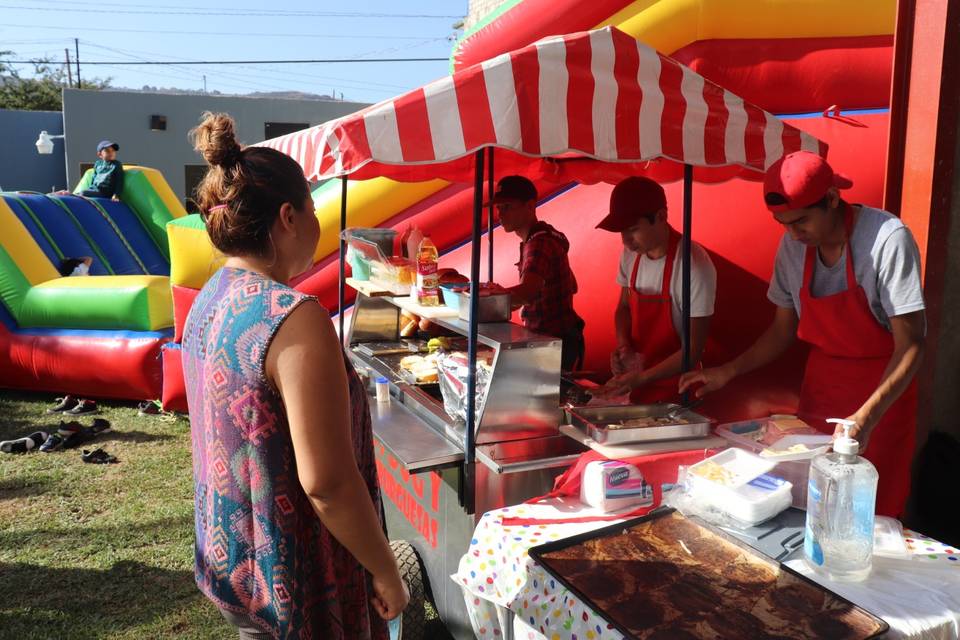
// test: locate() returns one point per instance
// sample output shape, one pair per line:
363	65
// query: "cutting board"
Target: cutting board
621	451
441	311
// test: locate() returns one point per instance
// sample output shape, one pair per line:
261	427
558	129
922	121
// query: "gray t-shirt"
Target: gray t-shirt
886	263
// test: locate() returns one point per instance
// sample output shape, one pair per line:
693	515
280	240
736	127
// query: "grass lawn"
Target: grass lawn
100	551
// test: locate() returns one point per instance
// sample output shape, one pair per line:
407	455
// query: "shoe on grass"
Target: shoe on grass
148	408
65	403
100	426
22	445
98	456
53	443
83	408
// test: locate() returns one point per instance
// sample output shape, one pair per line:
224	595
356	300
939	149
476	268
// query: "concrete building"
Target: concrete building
21	167
478	9
152	128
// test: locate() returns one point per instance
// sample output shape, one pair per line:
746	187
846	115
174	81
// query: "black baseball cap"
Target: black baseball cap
514	188
106	144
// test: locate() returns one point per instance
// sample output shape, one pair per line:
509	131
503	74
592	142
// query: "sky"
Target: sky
176	30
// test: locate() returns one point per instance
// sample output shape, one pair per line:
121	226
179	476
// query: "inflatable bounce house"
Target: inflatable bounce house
821	65
95	336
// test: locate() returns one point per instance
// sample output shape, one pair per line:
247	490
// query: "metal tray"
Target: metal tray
491	308
644	565
594	421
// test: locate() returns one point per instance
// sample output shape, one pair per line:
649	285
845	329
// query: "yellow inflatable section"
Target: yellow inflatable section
670	25
369	204
666	25
23	249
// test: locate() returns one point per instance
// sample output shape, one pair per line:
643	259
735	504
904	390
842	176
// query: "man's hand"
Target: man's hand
860	430
617	386
710	379
625	360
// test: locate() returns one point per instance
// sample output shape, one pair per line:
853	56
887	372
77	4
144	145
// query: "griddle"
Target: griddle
666	576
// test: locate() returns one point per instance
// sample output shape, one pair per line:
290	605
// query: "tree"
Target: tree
41	91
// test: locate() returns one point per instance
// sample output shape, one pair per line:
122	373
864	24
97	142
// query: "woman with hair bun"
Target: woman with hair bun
290	540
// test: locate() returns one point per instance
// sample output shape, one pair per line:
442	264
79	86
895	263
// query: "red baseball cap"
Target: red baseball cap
800	180
631	200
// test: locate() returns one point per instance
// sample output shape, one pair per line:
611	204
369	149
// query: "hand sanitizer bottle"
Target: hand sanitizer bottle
841	499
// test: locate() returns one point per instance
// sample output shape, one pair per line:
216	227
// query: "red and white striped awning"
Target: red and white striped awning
591	106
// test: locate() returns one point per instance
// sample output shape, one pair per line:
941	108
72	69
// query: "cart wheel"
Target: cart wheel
411	570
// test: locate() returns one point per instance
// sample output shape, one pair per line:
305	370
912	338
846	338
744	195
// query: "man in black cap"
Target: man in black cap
107	173
547	284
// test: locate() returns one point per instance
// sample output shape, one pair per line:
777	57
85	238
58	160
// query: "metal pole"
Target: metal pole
343	252
66	50
469	457
76	44
685	260
490	189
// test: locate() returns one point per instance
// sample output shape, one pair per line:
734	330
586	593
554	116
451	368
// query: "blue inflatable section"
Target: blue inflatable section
103	233
64	231
28	221
136	235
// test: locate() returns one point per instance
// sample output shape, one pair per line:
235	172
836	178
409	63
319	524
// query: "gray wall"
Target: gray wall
21	167
124	117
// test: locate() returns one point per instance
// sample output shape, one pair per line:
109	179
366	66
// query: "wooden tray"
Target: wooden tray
666	576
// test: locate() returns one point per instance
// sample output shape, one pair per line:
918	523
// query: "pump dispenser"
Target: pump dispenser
841	500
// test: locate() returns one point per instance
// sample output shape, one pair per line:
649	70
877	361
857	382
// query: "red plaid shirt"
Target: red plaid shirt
544	253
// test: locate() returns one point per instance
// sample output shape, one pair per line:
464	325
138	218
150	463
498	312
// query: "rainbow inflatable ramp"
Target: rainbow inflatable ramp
98	335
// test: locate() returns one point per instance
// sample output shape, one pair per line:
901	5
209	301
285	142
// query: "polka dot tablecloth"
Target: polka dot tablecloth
924	548
497	574
507	593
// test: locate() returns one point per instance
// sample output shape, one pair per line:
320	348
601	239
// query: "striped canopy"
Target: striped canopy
591	106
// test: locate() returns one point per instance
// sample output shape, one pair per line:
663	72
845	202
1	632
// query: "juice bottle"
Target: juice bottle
427	289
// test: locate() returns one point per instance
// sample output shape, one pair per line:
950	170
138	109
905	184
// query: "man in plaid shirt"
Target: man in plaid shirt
546	284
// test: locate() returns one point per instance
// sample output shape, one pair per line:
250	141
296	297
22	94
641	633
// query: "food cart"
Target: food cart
587	107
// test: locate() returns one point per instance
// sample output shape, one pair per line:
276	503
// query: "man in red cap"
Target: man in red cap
846	281
648	357
547	283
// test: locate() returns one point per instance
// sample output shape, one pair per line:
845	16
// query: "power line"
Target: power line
229	62
207	34
253	13
363	84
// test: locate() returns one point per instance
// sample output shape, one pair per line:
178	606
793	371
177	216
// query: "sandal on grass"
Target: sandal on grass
98	456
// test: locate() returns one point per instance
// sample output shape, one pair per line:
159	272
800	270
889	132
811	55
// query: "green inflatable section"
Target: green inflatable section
189	221
143	199
13	284
135	307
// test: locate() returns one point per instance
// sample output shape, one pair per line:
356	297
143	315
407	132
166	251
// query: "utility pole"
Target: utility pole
204	83
66	51
76	44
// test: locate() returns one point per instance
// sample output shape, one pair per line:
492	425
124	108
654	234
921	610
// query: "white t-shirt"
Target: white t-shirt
703	280
886	263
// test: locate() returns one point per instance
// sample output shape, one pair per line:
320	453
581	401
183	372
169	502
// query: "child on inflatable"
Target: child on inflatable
107	172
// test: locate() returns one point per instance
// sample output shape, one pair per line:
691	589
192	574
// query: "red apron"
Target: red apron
849	353
652	332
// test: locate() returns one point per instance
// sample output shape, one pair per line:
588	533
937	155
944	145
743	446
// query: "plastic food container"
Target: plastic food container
744	436
383	390
757	501
383	238
794	448
452	294
729	469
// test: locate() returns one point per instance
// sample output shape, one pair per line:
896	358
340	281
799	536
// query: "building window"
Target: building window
277	129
